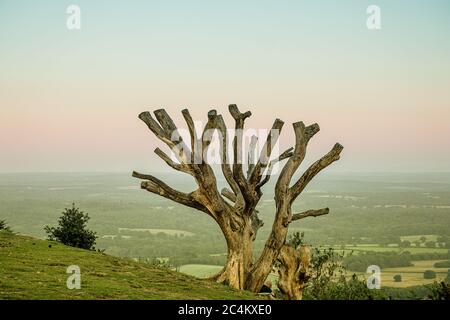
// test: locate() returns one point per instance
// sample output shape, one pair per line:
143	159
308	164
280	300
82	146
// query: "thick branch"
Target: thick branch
226	169
302	136
165	132
314	169
310	213
157	186
171	131
238	173
251	155
151	123
195	146
228	194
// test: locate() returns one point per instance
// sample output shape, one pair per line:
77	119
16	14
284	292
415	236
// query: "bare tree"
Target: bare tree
234	208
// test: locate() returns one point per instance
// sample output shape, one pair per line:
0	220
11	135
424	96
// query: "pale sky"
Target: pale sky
69	100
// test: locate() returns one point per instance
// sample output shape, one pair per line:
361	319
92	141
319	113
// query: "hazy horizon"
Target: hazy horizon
69	100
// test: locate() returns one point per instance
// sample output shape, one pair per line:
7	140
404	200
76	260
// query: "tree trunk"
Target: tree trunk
239	255
293	270
264	265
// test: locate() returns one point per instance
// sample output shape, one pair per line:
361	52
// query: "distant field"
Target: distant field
412	275
377	248
170	232
365	209
428	237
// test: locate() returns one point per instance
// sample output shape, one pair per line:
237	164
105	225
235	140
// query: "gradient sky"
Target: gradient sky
69	100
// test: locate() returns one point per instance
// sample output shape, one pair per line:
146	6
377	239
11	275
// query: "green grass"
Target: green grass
200	270
36	269
207	270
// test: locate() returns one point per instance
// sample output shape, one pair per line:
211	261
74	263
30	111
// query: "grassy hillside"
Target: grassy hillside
36	269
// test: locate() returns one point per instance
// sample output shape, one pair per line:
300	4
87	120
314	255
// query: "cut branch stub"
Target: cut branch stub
208	132
151	123
165	132
166	122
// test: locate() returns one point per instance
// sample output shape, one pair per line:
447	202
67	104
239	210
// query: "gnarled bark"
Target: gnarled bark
234	208
293	270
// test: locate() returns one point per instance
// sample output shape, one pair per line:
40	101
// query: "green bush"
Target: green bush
429	274
329	280
405	244
72	230
430	244
344	289
398	278
442	264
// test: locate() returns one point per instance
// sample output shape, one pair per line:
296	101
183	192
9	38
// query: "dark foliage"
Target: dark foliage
72	230
383	259
429	274
442	264
4	226
440	291
329	280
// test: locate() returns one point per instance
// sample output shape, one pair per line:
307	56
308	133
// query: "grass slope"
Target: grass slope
36	269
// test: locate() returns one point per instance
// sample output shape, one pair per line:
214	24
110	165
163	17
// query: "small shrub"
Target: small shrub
297	239
405	244
72	230
429	274
3	226
160	263
398	278
430	244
